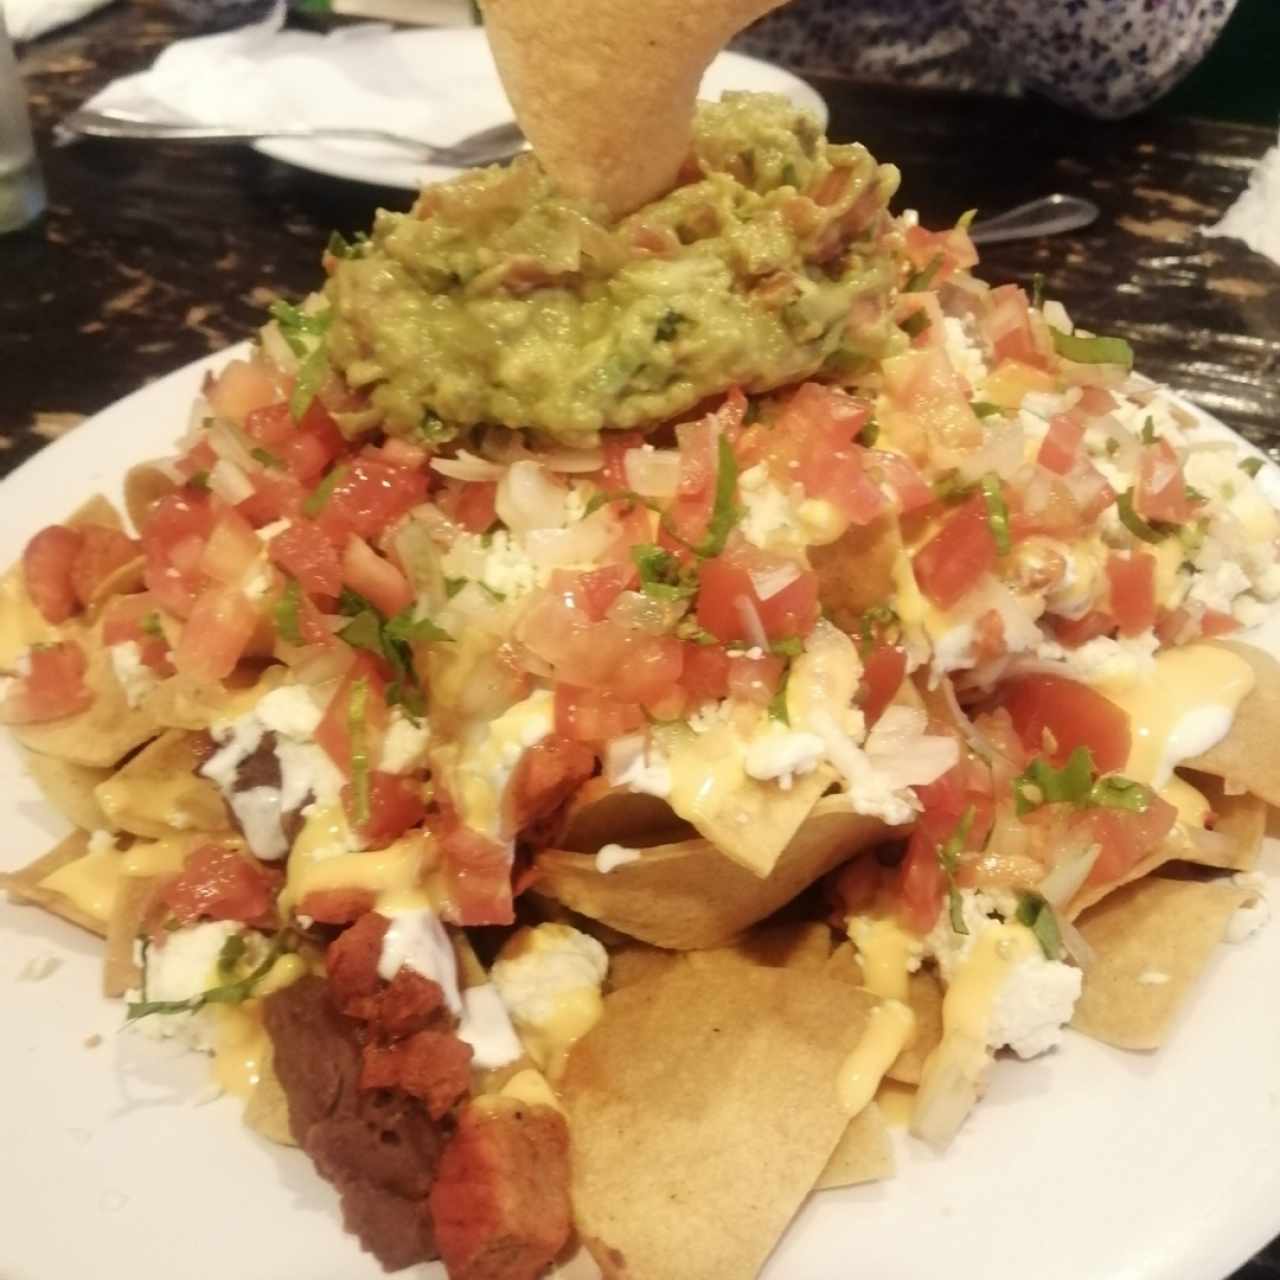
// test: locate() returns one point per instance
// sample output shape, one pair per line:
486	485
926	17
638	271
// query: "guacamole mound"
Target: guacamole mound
497	300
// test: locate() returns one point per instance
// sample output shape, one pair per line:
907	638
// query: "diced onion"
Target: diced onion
277	349
655	473
1003	453
229	482
751	624
572	461
636	610
529	498
583	543
226	444
1073	863
1074	944
769	582
467	466
321	664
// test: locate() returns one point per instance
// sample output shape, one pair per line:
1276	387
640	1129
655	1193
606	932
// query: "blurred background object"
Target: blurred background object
21	189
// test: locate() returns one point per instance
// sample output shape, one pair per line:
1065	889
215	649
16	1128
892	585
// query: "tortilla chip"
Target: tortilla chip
637	962
144	486
749	821
1247	757
799	945
691	1162
600	814
120	971
843	964
185	702
158	792
689	895
1171	849
69	788
863	1154
28	885
1240	823
1150	941
267	1110
105	731
98	510
588	77
855	572
21	624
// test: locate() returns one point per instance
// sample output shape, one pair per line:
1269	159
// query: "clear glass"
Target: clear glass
21	189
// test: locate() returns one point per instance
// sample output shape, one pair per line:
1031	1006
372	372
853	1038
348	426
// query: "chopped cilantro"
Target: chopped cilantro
319	497
1037	915
787	647
921	280
267	458
200	480
391	639
1251	466
1115	792
234	992
915	324
434	430
1072	346
1037	289
724	512
985	409
1136	524
669	325
997	513
1041	783
1149	430
357	732
233	951
313	371
297	325
339	247
150	624
951	487
778	703
286	612
948	858
661	575
870	434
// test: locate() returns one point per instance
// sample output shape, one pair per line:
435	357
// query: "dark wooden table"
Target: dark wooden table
154	255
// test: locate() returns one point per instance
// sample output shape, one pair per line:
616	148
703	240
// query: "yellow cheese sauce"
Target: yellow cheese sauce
90	882
550	1041
896	1102
890	1027
884	950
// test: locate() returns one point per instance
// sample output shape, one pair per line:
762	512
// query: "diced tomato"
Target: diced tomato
102	552
304	553
369	496
923	387
593	716
122	623
549	772
753	679
231	551
1132	579
954	246
334	731
706	672
1073	632
173	539
339	906
378	580
1074	716
953	561
52	688
216	634
472	505
395	805
242	387
1213	623
47	564
1095	401
477	875
217	883
1061	446
200	457
276	496
401	453
921	879
730	589
1008	327
270	424
597	589
645	667
306	448
908	485
1124	837
1161	492
613	474
883	671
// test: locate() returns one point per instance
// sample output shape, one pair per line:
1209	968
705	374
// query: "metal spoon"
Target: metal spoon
488	146
1047	216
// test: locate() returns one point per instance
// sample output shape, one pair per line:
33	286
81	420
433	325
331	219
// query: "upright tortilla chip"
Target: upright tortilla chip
691	1162
863	1154
69	788
159	792
689	895
30	884
587	78
1249	756
1151	941
855	572
1240	822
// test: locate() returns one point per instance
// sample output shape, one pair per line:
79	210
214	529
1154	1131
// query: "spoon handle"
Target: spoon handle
1047	216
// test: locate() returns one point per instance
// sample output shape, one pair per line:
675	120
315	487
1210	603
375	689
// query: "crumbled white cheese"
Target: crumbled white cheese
638	763
404	743
290	710
767	516
612	856
963	349
273	530
1103	660
1032	1006
183	966
497	560
416	938
1219	588
781	755
132	674
486	1026
552	960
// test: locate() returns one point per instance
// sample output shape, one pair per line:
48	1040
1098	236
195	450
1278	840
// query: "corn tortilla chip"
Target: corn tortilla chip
28	885
1240	823
266	1111
588	77
120	971
600	814
1151	941
843	963
21	625
69	788
105	731
1248	756
99	510
144	486
688	895
691	1162
638	962
1171	849
863	1154
855	572
184	702
158	791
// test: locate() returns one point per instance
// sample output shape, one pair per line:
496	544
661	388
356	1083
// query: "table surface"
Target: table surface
151	256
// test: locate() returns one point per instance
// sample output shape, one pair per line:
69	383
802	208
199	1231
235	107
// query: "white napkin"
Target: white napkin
26	19
1255	216
260	75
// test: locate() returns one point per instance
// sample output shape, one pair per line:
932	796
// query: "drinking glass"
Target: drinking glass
21	190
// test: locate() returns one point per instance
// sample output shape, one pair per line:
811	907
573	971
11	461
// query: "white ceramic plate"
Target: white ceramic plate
1089	1164
456	92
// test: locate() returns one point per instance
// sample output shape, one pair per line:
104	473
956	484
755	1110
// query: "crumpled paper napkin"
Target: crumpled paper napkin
1255	216
260	75
26	19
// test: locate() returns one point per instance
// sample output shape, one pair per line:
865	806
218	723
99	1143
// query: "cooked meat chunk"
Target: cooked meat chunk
500	1203
380	1149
